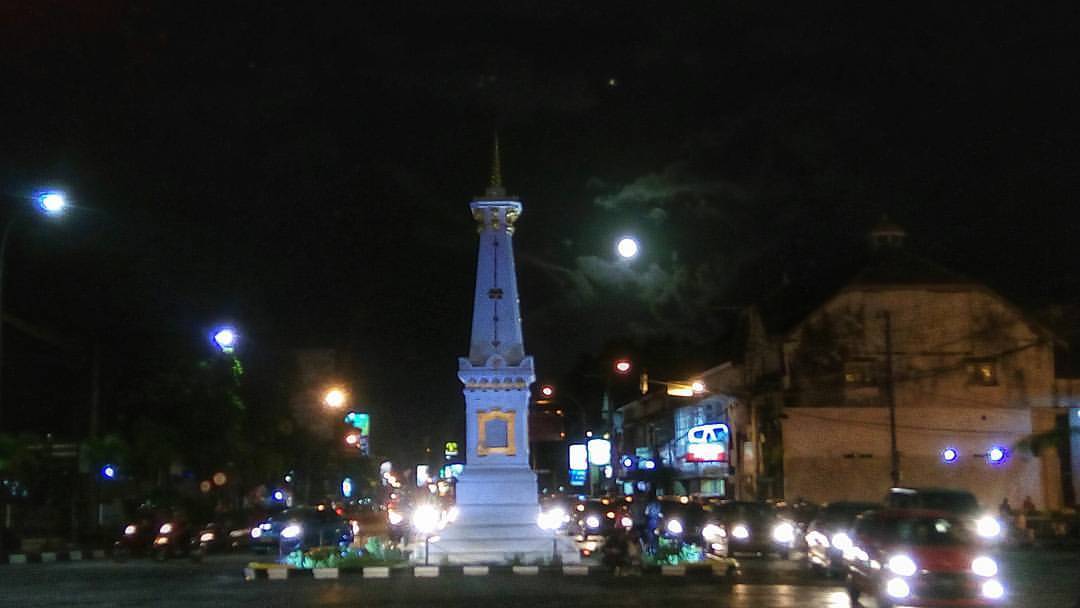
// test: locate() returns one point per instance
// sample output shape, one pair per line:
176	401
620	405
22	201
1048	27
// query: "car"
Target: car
753	527
951	500
308	527
829	533
265	535
919	557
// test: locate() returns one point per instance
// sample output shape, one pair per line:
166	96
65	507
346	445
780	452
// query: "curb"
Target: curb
51	557
277	573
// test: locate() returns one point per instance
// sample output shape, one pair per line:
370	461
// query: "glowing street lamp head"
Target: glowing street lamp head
108	471
547	391
627	248
225	339
623	366
52	203
334	397
996	455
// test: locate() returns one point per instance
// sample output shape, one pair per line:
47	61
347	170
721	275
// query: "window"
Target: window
982	373
859	373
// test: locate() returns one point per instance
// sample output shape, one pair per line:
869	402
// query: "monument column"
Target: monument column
497	493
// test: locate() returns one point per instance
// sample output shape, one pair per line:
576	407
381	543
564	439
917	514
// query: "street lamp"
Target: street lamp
335	397
426	521
552	520
623	366
225	339
627	248
51	203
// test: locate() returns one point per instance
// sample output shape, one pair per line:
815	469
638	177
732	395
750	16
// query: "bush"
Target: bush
376	552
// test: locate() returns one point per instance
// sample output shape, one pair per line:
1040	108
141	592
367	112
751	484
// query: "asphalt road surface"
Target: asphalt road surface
1036	580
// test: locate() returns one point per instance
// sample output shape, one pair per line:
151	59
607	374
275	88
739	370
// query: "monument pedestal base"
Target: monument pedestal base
497	523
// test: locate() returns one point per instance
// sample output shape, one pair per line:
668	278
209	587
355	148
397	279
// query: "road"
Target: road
1038	580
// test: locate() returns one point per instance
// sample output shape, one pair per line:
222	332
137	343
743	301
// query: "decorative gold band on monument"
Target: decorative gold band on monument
495	220
487	384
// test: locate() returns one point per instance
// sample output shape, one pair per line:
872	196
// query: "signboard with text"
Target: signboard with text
707	443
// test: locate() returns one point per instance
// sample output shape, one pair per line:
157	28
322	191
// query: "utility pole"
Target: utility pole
890	398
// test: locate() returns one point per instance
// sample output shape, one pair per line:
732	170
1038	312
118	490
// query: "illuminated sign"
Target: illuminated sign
577	477
359	421
599	452
451	470
423	475
450	450
579	457
707	443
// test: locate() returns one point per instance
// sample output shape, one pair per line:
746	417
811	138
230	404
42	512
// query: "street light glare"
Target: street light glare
334	398
627	248
622	366
225	339
52	203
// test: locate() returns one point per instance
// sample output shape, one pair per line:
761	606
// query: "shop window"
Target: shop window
859	373
982	373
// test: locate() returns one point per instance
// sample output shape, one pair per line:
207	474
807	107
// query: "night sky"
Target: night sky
304	169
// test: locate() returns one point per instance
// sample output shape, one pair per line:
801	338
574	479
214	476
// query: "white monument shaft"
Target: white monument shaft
497	493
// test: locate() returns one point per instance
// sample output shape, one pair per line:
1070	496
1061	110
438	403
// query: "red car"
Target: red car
920	558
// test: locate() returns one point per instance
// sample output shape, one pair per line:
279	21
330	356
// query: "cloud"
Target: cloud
655	194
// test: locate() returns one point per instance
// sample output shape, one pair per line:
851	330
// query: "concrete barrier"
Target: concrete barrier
75	556
325	573
377	572
48	557
476	570
277	574
575	570
17	558
527	570
673	570
426	571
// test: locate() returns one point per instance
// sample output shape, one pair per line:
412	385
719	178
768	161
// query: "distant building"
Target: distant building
970	374
689	437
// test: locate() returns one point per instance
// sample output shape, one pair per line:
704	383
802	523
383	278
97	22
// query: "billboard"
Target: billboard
707	443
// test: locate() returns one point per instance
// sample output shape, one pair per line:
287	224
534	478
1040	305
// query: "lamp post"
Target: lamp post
552	520
49	203
426	521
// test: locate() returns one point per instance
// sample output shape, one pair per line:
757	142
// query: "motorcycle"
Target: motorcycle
173	538
136	540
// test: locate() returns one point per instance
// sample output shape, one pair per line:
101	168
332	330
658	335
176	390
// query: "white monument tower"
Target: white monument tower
497	493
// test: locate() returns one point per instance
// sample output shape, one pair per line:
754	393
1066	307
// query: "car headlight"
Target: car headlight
394	518
897	588
784	533
713	531
993	589
984	566
987	527
740	532
206	537
592	521
627	522
842	541
165	529
902	565
130	530
256	532
291	531
674	526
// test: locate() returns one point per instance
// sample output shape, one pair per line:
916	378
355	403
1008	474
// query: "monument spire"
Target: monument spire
495	185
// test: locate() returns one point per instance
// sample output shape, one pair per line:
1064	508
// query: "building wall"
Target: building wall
937	335
842	453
